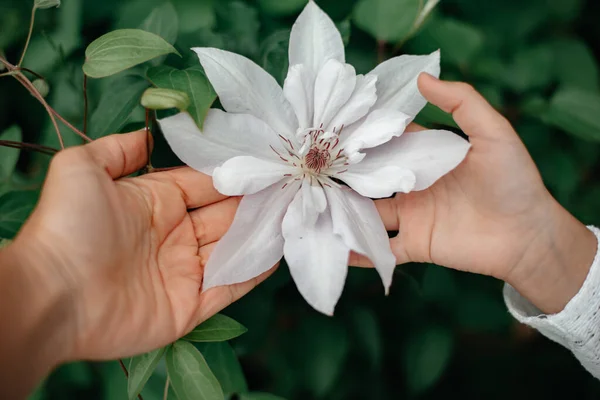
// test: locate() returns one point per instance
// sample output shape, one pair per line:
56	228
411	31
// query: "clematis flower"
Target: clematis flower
309	157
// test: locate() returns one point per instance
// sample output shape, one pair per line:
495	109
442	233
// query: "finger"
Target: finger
358	260
197	188
475	116
120	154
413	127
388	211
212	222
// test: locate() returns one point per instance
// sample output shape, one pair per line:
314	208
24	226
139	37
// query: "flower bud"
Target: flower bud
46	3
163	99
42	87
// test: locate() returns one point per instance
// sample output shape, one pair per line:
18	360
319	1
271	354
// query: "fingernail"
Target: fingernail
429	75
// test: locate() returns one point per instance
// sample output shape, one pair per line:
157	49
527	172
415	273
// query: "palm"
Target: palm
139	252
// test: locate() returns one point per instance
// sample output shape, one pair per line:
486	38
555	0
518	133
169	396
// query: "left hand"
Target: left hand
128	252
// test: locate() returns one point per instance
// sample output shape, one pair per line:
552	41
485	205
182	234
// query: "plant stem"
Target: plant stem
166	392
149	143
32	73
29	146
33	10
124	368
85	105
380	51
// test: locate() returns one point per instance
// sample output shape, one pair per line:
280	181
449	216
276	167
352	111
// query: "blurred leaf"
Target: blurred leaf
140	369
164	99
191	81
12	27
438	285
9	156
259	396
223	362
274	54
426	357
424	12
191	378
575	64
218	328
531	68
565	10
458	41
122	49
576	112
195	14
368	335
46	3
238	23
116	105
345	29
387	20
279	8
561	173
163	21
481	311
15	208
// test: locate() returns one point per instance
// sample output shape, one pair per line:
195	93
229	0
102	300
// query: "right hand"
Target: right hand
492	215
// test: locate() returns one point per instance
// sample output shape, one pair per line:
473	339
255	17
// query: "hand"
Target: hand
492	215
128	251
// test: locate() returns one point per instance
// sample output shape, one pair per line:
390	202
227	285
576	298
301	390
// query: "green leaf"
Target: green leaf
9	156
345	28
195	14
122	49
531	68
368	335
274	54
15	208
426	357
140	369
575	64
218	328
41	4
163	99
387	20
163	21
238	26
116	105
576	112
191	81
191	378
279	8
223	362
259	396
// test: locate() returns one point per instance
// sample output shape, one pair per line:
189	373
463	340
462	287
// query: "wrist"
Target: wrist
556	262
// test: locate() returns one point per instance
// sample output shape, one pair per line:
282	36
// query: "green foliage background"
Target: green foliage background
439	333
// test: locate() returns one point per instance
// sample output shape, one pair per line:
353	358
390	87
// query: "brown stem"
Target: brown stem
149	143
124	368
85	105
31	72
29	146
28	35
166	392
380	51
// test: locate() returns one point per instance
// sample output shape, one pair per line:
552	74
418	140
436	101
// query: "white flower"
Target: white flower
288	150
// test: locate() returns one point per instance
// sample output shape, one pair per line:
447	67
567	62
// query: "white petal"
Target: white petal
314	202
356	220
362	99
244	87
315	39
253	243
397	82
299	89
379	127
248	175
317	258
225	136
333	87
380	182
428	154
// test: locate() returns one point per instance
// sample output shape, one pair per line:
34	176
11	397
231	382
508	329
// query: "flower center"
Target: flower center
317	159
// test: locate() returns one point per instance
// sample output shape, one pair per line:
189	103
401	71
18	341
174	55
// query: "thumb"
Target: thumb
475	116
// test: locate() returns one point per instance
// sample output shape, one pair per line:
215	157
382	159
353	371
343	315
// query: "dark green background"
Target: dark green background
440	333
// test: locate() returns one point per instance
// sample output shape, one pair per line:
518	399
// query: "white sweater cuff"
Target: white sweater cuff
577	327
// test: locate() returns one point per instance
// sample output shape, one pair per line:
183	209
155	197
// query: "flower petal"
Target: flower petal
380	182
225	136
428	154
248	175
333	87
253	243
397	82
315	39
314	202
317	258
362	99
356	220
244	87
379	127
299	90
